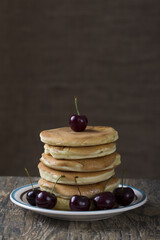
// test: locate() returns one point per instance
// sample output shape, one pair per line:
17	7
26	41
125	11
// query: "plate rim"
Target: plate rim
53	212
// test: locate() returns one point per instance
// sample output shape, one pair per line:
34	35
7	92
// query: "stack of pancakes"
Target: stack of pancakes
89	155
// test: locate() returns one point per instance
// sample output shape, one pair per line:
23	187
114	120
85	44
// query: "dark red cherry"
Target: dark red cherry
104	200
124	195
79	203
46	200
78	122
31	196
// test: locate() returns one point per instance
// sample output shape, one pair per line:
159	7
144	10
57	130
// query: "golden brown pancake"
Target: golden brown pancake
69	177
60	152
67	191
93	135
82	165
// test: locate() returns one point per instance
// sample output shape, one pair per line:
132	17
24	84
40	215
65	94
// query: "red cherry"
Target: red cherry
31	196
104	200
124	195
46	200
79	203
78	122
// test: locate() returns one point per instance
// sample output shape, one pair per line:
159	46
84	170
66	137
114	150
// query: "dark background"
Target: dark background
105	52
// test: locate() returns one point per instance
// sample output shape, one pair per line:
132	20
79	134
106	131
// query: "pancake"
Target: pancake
67	191
63	204
80	152
82	165
69	177
93	135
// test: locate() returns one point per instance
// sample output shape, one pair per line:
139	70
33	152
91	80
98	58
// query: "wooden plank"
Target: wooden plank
142	223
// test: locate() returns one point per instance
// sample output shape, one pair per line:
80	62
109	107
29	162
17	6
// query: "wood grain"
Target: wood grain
142	223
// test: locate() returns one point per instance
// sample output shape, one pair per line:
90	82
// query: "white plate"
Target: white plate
18	196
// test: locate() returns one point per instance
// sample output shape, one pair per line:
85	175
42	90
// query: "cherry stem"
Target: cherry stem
106	183
76	105
123	174
29	178
56	182
77	185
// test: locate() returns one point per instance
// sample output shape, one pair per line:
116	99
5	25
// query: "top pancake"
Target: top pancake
93	135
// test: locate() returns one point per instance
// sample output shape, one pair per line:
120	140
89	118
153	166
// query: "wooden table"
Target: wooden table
141	223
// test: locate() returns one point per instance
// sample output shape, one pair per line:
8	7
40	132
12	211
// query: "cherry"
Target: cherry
79	202
104	200
47	199
124	195
78	122
31	194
